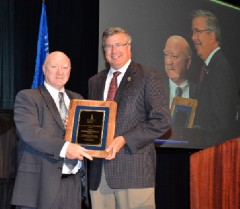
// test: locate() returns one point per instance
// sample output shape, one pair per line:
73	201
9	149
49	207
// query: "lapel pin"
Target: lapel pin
129	78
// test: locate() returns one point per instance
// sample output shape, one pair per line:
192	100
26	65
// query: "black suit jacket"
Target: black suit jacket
142	116
217	96
41	138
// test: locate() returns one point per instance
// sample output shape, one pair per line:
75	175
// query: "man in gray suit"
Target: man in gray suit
43	179
177	60
126	178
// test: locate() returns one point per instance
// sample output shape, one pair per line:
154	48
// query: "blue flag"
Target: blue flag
42	49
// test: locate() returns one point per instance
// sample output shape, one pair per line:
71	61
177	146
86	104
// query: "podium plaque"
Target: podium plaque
91	124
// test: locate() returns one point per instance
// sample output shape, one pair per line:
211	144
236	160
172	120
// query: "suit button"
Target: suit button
59	168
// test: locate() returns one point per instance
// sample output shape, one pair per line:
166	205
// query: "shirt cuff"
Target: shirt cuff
64	150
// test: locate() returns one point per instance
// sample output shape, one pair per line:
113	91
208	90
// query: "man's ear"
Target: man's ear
213	37
188	62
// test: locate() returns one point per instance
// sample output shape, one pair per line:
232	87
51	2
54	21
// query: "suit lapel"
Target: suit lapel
167	89
101	84
69	94
51	105
97	90
127	80
215	58
192	90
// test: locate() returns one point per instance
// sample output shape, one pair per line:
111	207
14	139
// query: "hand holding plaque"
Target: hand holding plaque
92	125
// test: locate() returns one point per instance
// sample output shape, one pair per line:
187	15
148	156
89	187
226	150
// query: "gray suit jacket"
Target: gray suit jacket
41	138
142	116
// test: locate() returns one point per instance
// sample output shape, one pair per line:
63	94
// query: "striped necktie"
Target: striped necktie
63	112
113	87
62	107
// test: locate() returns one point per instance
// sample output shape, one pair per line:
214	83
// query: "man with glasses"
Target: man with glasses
126	178
217	91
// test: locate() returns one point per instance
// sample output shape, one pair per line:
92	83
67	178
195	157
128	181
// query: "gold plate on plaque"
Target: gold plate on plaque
91	124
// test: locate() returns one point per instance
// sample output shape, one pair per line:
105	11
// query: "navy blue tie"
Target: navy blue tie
178	92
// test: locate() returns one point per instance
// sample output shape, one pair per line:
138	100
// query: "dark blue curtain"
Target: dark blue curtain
72	28
7	84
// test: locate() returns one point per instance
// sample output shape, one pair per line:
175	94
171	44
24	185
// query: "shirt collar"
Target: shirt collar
121	70
54	92
183	85
211	55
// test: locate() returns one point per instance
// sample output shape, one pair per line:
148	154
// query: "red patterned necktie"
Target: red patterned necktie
203	72
113	87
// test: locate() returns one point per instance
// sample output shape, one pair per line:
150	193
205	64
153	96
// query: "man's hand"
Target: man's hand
75	151
115	147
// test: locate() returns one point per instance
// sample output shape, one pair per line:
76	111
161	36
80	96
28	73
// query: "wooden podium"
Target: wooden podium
215	177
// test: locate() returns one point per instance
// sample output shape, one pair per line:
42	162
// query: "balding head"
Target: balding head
56	68
56	54
181	43
177	58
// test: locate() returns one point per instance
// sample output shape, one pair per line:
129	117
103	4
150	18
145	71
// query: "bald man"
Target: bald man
43	179
177	60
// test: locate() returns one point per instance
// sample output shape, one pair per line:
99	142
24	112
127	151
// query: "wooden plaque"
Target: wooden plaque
183	111
92	125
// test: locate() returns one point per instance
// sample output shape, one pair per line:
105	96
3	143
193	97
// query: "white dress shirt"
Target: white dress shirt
119	78
185	90
54	93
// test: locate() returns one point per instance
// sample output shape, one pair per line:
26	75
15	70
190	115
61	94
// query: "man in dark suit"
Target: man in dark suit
177	61
126	178
217	92
43	179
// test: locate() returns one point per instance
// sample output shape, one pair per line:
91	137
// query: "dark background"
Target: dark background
75	27
151	22
72	28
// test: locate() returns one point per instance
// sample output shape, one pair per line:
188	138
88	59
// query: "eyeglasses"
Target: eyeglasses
117	45
198	32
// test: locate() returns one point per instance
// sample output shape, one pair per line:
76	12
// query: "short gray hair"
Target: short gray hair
212	22
115	30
